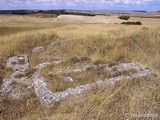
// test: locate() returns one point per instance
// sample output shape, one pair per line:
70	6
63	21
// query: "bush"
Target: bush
132	23
124	17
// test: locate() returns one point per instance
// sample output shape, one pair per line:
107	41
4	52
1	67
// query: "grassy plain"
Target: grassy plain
105	42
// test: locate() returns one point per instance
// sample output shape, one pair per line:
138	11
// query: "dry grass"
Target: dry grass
139	96
141	44
56	81
16	109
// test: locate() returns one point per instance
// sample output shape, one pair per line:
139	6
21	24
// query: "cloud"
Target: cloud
84	2
94	3
72	3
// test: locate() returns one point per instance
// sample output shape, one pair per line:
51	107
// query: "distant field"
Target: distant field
85	19
82	41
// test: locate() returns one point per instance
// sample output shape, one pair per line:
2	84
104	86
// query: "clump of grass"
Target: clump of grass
132	23
20	76
76	59
5	72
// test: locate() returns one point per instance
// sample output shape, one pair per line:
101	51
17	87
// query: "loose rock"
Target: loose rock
38	49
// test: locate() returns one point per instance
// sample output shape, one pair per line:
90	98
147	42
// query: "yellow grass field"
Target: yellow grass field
108	42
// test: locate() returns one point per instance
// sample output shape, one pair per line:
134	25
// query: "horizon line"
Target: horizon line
84	10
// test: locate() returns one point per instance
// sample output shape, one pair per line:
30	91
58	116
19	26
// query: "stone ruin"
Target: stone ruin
37	83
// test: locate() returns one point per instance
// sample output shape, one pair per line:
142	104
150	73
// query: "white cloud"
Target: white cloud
71	3
84	2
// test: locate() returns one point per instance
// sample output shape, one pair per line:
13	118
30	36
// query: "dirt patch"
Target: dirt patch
86	19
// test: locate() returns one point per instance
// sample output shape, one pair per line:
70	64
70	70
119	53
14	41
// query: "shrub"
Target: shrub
132	23
124	17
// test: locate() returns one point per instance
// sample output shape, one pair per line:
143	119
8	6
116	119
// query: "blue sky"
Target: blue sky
149	5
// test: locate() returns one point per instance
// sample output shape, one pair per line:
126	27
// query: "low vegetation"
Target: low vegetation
124	17
132	23
74	13
56	12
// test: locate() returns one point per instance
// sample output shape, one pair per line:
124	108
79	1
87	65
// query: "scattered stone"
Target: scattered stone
43	65
17	88
47	97
74	71
41	48
38	49
56	43
68	79
19	65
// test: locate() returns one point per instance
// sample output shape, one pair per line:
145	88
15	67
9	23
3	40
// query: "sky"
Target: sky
148	5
